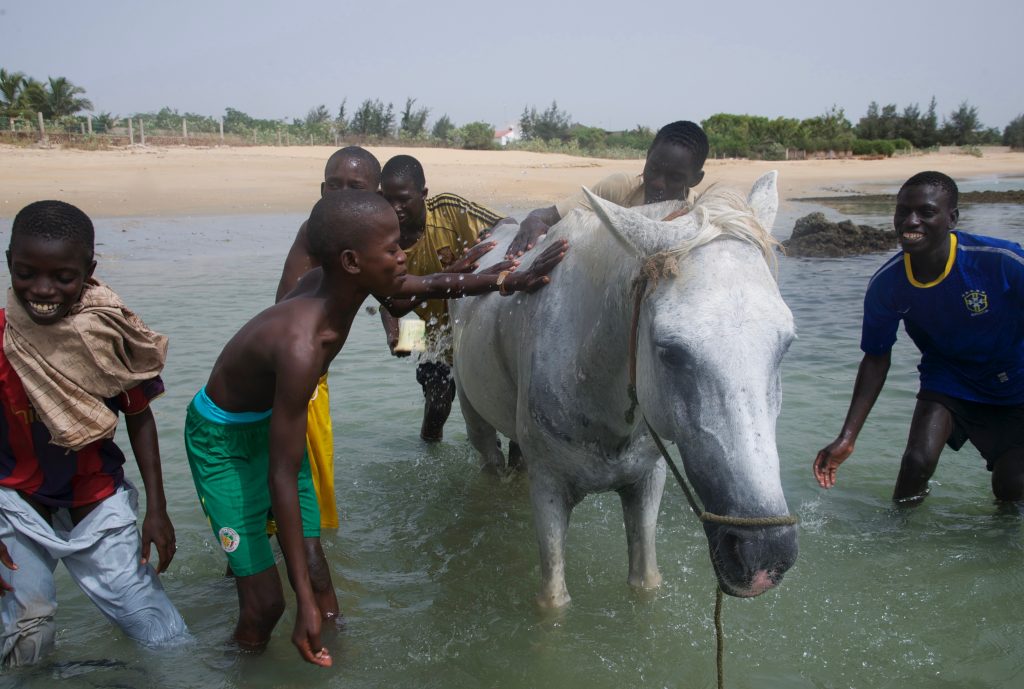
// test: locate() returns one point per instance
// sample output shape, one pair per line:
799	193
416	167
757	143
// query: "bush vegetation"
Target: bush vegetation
882	131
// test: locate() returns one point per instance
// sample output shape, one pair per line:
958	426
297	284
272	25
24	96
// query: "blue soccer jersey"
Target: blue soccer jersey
968	323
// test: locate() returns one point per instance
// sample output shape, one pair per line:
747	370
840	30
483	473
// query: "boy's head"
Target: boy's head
352	167
50	257
926	212
675	162
355	232
404	185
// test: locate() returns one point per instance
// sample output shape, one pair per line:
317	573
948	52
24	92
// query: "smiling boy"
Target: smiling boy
961	299
245	430
73	357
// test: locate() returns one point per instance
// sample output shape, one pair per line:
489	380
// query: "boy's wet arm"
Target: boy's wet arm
157	529
293	389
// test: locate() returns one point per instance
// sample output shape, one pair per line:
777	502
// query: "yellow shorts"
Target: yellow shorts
320	449
320	446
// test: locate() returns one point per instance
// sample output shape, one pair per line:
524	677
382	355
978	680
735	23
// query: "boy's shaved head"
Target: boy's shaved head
931	178
687	134
345	219
353	153
55	221
405	167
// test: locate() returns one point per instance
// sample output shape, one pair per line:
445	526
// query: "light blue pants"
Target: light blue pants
102	555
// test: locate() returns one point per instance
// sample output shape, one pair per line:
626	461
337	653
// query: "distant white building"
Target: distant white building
503	137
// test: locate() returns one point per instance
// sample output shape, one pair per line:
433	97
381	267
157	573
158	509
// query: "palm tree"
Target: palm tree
12	84
62	98
34	98
104	122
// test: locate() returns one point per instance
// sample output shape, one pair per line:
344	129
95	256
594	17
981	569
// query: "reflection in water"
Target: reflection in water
436	565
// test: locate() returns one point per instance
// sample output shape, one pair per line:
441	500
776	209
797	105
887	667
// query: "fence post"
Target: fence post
81	126
88	118
142	131
131	133
184	129
278	137
222	131
42	129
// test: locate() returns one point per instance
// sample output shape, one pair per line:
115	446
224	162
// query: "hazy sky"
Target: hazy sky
609	65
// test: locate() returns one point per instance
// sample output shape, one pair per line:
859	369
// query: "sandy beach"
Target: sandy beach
157	181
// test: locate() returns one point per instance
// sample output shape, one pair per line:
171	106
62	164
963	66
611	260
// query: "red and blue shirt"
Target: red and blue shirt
968	323
52	475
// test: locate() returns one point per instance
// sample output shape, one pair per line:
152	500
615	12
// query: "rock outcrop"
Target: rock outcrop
816	237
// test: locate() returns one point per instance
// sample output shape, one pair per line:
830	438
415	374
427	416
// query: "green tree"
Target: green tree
1013	135
340	122
963	127
64	98
373	118
550	125
477	135
589	138
828	132
444	129
413	122
34	98
104	122
317	116
12	85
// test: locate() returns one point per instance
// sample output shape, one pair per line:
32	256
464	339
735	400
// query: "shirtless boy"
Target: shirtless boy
245	430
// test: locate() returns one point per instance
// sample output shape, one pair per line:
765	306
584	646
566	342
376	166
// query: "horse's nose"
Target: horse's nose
766	553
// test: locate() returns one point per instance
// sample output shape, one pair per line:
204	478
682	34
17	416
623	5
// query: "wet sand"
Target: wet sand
169	181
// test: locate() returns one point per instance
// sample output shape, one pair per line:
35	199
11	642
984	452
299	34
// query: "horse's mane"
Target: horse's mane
720	212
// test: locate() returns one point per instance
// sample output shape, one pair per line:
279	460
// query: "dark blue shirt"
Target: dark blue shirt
968	324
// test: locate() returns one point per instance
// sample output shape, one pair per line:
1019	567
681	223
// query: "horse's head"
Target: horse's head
711	334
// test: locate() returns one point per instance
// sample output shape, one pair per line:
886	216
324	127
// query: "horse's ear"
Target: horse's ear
764	199
639	234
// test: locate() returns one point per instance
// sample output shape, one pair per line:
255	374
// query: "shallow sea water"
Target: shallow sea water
436	565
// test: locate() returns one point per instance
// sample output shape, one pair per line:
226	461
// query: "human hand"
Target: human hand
536	276
526	238
499	267
828	460
157	530
676	214
5	558
392	343
306	636
468	263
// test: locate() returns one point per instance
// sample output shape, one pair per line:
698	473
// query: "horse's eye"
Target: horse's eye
674	355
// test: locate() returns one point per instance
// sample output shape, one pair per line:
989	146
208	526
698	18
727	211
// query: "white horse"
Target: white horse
551	371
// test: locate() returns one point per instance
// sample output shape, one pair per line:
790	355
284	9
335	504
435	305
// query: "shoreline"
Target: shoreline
183	181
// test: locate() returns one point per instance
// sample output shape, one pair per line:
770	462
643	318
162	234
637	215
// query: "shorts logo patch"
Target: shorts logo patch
976	301
229	539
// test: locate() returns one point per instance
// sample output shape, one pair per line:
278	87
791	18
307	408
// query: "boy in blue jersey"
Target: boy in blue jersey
961	299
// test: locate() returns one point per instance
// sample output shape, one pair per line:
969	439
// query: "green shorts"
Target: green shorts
230	464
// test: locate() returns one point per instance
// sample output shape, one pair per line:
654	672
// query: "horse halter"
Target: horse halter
702	515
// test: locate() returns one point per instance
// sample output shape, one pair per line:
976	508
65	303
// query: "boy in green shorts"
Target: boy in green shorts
245	431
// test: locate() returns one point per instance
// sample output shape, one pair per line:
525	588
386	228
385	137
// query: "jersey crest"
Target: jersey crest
976	301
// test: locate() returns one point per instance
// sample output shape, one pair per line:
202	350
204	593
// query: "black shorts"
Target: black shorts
994	429
434	374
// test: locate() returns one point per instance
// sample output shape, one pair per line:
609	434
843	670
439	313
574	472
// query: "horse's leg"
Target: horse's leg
552	503
640	504
482	436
